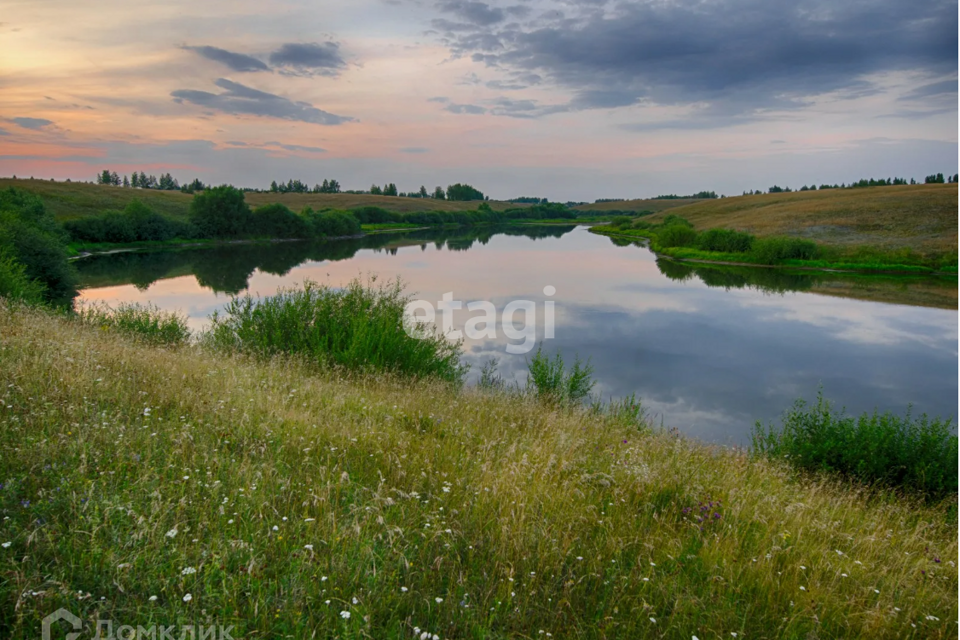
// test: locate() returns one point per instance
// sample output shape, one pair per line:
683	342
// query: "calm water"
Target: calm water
709	351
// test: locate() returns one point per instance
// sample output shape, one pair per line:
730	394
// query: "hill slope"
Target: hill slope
71	200
918	217
279	496
637	205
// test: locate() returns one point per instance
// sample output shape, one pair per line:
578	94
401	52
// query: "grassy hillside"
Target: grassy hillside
637	205
71	200
919	217
295	503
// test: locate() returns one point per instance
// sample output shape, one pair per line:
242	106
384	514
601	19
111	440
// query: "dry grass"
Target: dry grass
638	205
918	217
454	512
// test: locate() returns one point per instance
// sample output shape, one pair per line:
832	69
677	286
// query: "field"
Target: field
71	200
922	218
150	485
637	205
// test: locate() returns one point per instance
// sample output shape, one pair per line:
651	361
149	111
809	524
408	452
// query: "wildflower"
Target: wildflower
123	565
186	477
276	528
355	601
188	571
187	597
308	547
439	600
172	533
230	521
309	519
933	618
152	598
653	620
803	567
803	588
844	575
326	602
579	557
345	615
446	489
323	579
403	589
284	518
6	545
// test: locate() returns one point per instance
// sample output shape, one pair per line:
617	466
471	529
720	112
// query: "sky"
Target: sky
564	99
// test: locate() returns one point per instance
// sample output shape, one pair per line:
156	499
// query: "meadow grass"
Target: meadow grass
279	496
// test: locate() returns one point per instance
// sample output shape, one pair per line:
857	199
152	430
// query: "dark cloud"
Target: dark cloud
31	123
414	150
440	99
235	61
742	55
477	13
468	109
4	132
298	147
945	89
239	99
309	58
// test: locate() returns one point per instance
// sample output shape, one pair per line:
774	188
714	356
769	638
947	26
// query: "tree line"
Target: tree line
141	180
936	178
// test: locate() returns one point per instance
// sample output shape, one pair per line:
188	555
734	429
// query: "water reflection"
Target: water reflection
709	349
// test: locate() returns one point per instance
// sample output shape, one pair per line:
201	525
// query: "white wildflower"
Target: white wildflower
172	533
152	598
6	545
439	600
188	571
187	597
345	615
308	547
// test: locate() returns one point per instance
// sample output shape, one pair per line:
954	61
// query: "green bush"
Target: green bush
15	284
676	235
220	212
148	225
330	224
777	249
277	221
673	219
725	241
621	222
31	236
147	323
916	454
137	223
358	327
550	381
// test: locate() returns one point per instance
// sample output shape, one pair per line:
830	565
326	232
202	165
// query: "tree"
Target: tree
126	181
375	190
334	186
220	212
273	187
390	189
104	177
463	192
423	192
134	179
439	194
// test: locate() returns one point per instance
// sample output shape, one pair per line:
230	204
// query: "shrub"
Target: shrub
148	225
220	212
144	322
621	222
358	327
15	284
330	224
916	454
725	241
550	381
674	220
31	236
277	221
777	249
676	235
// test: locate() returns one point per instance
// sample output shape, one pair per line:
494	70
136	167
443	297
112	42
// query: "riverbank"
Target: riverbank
174	484
884	263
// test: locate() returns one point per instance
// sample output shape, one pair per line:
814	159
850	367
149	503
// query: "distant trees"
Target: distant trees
462	192
138	180
439	194
531	200
934	179
699	195
328	186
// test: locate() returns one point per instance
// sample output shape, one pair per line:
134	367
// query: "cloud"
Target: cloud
298	147
470	109
478	13
309	58
440	99
946	89
235	61
414	150
739	55
238	99
4	132
31	123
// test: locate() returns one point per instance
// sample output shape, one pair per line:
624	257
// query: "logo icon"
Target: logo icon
62	614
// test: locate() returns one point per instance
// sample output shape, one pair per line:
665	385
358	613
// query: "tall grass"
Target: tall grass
278	496
913	454
145	322
550	380
359	327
